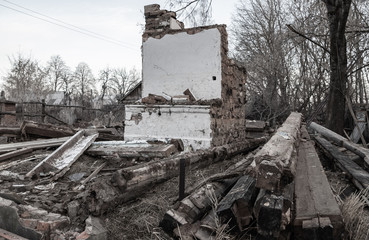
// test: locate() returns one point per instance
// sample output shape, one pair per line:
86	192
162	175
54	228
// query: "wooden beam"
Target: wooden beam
358	176
37	144
341	141
6	156
239	202
277	158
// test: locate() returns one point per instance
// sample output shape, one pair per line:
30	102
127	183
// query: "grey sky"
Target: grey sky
118	19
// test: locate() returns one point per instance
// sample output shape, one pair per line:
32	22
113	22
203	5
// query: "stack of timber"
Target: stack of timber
317	213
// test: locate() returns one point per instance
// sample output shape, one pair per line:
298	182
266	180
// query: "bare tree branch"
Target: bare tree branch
307	38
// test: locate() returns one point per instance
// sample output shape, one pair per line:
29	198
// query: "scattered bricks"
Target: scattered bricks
94	230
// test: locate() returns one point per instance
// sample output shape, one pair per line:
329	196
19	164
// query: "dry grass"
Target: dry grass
140	219
355	216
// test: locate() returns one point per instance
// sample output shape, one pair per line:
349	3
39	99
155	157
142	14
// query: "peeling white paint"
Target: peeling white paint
191	123
180	61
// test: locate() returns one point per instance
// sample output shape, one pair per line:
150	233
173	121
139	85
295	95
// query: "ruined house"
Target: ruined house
203	90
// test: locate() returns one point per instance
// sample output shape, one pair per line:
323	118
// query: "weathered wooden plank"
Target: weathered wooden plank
38	144
62	158
239	202
341	141
276	158
359	176
15	153
313	195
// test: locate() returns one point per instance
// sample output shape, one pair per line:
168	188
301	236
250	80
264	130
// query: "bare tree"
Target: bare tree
83	82
261	45
26	79
193	12
106	80
337	13
56	68
123	81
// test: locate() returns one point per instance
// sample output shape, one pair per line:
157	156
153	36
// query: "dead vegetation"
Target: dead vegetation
355	216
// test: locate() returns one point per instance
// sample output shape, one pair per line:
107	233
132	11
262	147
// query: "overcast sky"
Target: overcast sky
120	20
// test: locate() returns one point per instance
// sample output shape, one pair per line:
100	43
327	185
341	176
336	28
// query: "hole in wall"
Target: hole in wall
214	78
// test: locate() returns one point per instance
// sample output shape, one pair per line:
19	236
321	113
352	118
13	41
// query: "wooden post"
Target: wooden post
43	112
182	178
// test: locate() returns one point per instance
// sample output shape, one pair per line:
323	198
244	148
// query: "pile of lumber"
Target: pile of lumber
285	177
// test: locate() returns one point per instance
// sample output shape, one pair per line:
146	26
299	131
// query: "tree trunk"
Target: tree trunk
337	12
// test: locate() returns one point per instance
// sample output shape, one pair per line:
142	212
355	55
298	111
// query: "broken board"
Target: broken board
62	158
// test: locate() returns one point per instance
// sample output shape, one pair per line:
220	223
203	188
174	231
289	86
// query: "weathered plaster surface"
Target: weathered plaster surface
180	61
191	123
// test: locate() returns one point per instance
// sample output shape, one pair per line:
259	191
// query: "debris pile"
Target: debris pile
283	191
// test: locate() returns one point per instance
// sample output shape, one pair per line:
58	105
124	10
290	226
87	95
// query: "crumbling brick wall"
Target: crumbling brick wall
227	113
229	117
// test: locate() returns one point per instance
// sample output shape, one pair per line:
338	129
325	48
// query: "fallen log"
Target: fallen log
313	195
341	141
359	176
143	175
277	158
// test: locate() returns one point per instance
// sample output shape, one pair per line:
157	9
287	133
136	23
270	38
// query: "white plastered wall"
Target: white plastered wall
190	123
180	61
